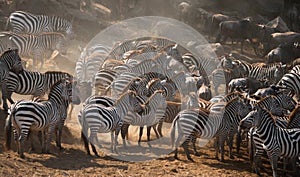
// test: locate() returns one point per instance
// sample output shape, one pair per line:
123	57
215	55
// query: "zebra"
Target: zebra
99	119
272	72
103	79
153	112
44	116
217	122
103	101
276	141
282	101
290	81
9	61
25	22
167	86
39	46
31	83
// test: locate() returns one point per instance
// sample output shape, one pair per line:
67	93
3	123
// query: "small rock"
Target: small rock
174	170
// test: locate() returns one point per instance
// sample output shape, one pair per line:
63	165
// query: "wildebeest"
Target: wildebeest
251	85
239	30
263	92
216	19
284	53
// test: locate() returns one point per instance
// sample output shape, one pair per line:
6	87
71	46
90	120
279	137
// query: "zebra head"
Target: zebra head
12	60
75	93
248	121
134	102
59	43
286	99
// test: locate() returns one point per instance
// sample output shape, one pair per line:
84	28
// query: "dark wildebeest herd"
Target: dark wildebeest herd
151	81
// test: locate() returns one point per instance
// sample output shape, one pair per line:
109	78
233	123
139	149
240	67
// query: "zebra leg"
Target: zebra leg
21	142
216	145
185	145
94	140
124	132
230	144
221	144
4	96
159	128
49	137
177	144
16	138
112	141
155	130
148	136
140	135
58	136
117	131
86	143
194	139
273	156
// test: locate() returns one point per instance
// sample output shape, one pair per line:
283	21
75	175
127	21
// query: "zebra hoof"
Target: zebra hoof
22	156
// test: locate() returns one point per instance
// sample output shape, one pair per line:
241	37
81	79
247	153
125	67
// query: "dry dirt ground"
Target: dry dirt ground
73	161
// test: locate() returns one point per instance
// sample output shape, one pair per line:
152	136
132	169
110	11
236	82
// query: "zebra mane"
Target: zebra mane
203	110
265	111
51	33
57	72
168	47
129	92
293	114
152	81
7	52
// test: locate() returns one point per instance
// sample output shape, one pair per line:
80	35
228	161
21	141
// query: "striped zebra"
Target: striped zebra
99	119
39	116
167	86
103	101
31	83
38	47
153	112
9	61
276	141
25	22
275	105
272	72
196	123
291	81
103	79
129	81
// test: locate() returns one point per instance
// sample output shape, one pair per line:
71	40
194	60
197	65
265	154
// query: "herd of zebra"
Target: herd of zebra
36	36
171	85
150	81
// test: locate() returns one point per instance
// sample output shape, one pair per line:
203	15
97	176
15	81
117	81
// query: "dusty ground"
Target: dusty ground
72	161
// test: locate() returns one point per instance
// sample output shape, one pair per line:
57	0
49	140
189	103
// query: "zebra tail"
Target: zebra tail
7	25
174	130
84	130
